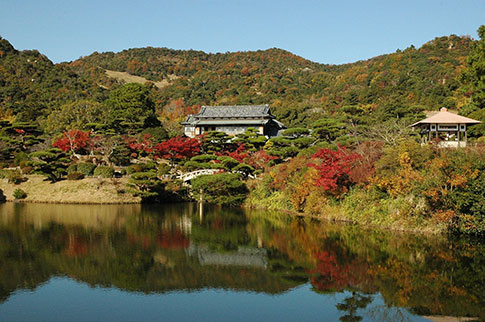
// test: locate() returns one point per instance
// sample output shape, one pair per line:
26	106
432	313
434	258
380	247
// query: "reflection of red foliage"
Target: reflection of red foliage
218	224
172	240
329	275
144	240
77	247
337	272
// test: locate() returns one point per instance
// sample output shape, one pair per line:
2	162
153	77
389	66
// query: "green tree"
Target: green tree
215	141
52	163
131	108
76	115
477	130
329	129
251	138
147	185
474	75
220	188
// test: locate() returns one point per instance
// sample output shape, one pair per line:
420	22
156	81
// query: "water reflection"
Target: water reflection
156	249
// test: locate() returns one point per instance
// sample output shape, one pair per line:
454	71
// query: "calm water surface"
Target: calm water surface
178	263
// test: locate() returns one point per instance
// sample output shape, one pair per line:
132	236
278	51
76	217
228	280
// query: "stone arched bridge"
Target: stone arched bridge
191	175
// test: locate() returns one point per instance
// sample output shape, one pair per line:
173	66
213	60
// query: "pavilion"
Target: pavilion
448	128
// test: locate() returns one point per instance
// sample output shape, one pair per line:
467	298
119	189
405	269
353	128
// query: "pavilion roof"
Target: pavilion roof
445	117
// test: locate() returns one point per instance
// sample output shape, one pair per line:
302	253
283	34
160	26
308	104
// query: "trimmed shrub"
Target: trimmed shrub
86	168
12	176
26	169
19	194
19	157
163	169
104	172
244	169
228	162
142	167
222	188
149	166
76	175
134	168
72	168
146	185
120	156
25	163
204	158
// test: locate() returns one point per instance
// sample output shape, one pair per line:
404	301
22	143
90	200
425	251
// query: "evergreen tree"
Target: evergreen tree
474	75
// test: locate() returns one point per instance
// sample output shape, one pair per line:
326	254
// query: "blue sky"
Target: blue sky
332	32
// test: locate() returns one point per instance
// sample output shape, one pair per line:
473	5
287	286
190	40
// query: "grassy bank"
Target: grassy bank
357	208
407	188
88	190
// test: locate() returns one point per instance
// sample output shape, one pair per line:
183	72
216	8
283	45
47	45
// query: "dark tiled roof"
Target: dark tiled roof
189	120
234	111
231	122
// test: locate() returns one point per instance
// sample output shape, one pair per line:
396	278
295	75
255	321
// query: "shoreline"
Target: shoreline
85	191
70	202
110	191
366	226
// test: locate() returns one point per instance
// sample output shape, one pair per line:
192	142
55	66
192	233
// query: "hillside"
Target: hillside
299	90
31	85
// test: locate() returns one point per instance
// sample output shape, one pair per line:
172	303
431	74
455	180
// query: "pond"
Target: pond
181	262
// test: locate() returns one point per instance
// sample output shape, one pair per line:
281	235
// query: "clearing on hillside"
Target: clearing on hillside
128	78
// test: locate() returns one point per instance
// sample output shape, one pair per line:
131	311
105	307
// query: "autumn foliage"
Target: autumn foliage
178	148
139	145
334	168
73	140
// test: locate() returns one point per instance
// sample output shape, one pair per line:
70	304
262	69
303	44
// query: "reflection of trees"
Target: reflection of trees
20	266
147	250
430	276
222	229
151	249
351	304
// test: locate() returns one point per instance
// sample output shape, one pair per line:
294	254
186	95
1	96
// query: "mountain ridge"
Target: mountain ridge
296	87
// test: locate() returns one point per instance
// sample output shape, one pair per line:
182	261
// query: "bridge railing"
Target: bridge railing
191	175
194	174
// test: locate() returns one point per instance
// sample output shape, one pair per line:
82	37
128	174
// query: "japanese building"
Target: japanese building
233	120
449	129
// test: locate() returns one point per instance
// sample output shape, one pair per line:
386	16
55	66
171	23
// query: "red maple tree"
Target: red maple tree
74	140
140	145
334	168
177	148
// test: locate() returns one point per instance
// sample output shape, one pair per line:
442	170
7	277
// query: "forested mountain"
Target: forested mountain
32	86
299	90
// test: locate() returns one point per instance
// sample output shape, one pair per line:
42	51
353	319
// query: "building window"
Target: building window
462	127
433	127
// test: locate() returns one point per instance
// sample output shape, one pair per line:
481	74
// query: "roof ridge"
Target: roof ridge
241	105
445	117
